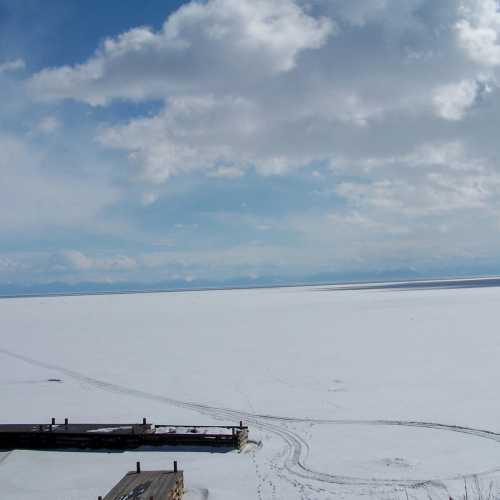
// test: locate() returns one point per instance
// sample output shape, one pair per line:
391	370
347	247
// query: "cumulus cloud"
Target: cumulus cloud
12	66
268	85
219	38
452	101
218	135
479	30
181	139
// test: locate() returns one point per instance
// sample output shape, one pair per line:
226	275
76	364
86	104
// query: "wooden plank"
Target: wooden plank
160	485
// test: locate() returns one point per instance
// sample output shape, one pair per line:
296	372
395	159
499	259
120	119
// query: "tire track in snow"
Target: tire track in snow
296	451
4	457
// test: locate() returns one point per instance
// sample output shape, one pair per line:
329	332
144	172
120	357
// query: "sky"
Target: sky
159	141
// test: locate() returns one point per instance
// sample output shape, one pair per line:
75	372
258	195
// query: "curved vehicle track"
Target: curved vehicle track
4	456
291	464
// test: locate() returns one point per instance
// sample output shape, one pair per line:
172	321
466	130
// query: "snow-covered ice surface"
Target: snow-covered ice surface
348	394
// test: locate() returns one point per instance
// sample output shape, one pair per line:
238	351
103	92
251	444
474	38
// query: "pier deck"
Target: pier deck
159	485
118	436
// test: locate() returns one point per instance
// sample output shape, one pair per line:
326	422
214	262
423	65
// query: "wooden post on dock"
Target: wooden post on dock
138	467
175	465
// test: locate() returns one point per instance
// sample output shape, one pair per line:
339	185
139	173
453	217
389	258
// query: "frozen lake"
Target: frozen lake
350	393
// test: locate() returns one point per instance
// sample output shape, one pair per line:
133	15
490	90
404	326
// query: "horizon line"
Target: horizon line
340	285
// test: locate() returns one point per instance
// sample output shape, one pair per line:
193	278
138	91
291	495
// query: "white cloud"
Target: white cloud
149	198
272	85
227	172
358	12
277	165
81	262
395	14
435	178
48	125
430	155
432	193
78	260
219	136
7	264
452	101
356	221
450	155
163	145
34	197
12	66
219	38
479	30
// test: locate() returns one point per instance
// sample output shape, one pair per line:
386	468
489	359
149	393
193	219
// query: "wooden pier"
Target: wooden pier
67	435
147	485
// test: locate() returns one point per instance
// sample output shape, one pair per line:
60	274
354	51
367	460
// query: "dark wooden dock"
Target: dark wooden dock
67	435
147	485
